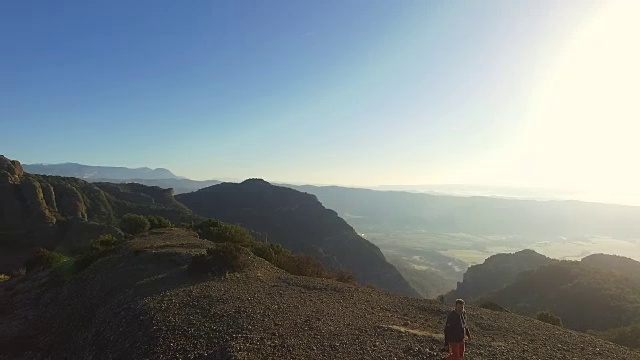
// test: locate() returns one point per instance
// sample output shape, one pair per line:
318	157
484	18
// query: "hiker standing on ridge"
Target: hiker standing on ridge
455	331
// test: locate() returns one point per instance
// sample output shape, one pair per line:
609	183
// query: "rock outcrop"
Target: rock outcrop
66	213
22	197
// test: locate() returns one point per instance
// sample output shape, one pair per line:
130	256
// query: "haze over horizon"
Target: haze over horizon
538	94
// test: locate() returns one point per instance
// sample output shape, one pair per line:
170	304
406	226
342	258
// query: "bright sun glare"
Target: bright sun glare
584	127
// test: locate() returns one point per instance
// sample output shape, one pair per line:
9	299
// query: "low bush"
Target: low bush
548	317
223	258
219	232
158	222
302	265
43	259
98	248
345	276
134	224
102	243
268	251
226	234
4	277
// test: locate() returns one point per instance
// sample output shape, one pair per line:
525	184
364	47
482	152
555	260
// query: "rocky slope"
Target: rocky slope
300	223
140	302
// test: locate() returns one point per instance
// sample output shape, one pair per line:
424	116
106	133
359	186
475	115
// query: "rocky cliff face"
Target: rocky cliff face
300	223
23	199
66	213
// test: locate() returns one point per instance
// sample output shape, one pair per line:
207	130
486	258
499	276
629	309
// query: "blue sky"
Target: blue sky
336	92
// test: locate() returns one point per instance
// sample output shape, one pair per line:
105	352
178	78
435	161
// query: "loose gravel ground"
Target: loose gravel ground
141	303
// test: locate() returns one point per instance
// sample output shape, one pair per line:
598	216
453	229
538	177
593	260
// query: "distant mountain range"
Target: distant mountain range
388	211
92	173
610	196
401	221
179	186
392	210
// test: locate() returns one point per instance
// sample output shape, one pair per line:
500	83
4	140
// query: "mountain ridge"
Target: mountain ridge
300	223
82	171
599	294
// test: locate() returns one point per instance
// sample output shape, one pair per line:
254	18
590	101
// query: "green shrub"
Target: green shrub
43	259
98	248
134	224
268	251
223	258
546	316
4	277
225	234
103	242
219	232
64	270
302	265
345	276
158	222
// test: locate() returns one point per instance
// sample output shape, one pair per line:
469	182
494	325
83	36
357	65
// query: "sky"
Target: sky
350	92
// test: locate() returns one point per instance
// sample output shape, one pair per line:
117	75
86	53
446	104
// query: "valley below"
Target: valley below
435	262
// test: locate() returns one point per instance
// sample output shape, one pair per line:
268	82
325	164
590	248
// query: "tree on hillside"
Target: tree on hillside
134	224
548	317
219	232
628	336
43	259
158	222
